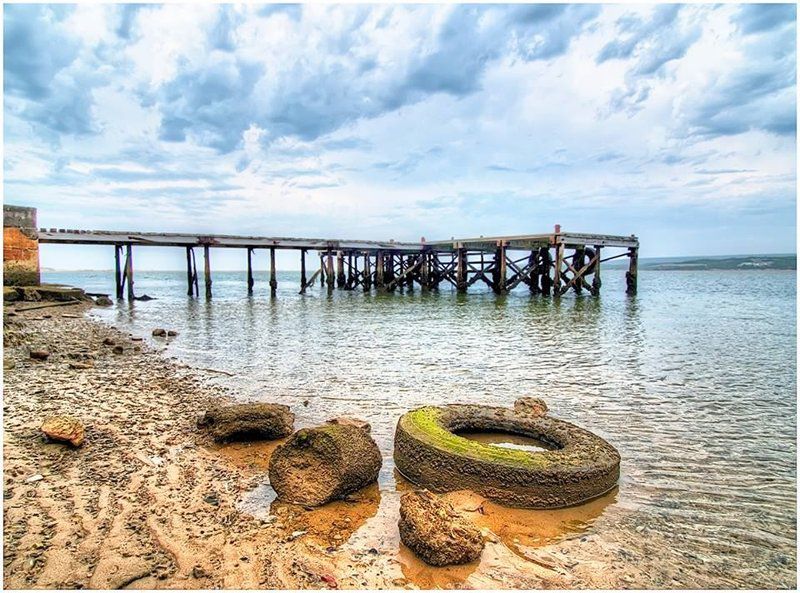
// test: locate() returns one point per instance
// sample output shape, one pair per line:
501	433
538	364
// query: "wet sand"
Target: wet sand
149	502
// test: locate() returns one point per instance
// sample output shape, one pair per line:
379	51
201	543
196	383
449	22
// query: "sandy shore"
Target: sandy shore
149	502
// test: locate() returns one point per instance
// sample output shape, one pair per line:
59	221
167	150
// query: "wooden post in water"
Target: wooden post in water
129	270
578	261
250	281
557	271
303	281
207	269
461	270
544	270
596	282
499	269
340	279
321	269
189	274
425	272
367	273
379	284
118	270
410	262
533	274
633	270
273	274
331	278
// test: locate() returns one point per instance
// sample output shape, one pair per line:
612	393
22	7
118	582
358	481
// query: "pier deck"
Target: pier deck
545	267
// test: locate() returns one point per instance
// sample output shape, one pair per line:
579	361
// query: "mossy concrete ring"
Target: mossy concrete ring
428	452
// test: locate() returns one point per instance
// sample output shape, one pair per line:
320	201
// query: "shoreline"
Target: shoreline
151	502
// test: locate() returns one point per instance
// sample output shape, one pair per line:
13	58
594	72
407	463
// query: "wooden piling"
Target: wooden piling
425	271
461	270
379	283
303	281
250	280
544	270
557	271
118	270
189	273
633	270
273	274
596	281
207	269
499	269
331	277
340	279
578	260
367	273
533	273
129	270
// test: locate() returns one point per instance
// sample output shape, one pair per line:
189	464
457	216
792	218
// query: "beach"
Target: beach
149	501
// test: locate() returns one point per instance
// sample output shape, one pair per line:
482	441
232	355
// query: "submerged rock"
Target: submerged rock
65	429
436	532
243	421
325	463
351	421
103	301
159	332
531	406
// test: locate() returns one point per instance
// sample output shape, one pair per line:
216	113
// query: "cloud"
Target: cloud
758	18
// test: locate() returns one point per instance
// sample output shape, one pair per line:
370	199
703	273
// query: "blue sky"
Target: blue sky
676	123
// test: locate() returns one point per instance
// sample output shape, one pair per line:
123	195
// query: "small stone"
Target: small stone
351	421
295	534
34	478
9	363
103	301
108	342
198	572
435	532
531	406
172	333
81	365
159	332
40	354
118	350
64	429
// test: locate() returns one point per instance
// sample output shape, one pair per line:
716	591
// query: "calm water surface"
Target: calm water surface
693	380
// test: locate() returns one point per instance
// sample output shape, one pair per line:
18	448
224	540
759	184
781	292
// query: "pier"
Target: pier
549	264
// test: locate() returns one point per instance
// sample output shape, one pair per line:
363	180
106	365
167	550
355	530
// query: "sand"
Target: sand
151	502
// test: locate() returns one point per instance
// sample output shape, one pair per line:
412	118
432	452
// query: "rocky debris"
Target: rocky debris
108	342
10	295
159	332
88	364
34	478
118	350
64	429
325	463
103	301
144	297
248	421
351	421
436	532
39	354
531	406
172	333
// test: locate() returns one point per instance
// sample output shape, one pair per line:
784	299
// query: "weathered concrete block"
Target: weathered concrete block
20	247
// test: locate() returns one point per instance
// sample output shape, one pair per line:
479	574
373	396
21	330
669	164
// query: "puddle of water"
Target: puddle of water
367	520
508	441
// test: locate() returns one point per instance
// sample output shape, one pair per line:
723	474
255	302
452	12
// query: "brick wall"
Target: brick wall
20	247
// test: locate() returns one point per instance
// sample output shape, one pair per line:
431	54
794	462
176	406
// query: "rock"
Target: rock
81	365
64	429
34	478
118	350
108	342
10	294
159	332
103	301
172	333
351	421
318	465
435	532
9	363
248	421
144	297
531	406
40	354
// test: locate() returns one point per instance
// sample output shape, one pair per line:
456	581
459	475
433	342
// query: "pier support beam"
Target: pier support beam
340	279
129	270
118	270
596	282
633	270
379	283
303	280
191	273
250	281
425	271
273	274
331	278
367	273
557	272
499	269
207	269
544	270
461	270
533	274
578	261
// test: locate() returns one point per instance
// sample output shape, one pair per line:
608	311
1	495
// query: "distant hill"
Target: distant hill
727	262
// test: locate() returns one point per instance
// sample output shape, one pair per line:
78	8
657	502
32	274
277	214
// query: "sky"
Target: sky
676	123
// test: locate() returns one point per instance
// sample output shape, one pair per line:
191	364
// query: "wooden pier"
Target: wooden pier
548	264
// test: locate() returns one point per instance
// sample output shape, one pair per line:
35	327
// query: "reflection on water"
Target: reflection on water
508	441
693	380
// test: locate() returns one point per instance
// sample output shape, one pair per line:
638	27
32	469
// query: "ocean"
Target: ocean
693	380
